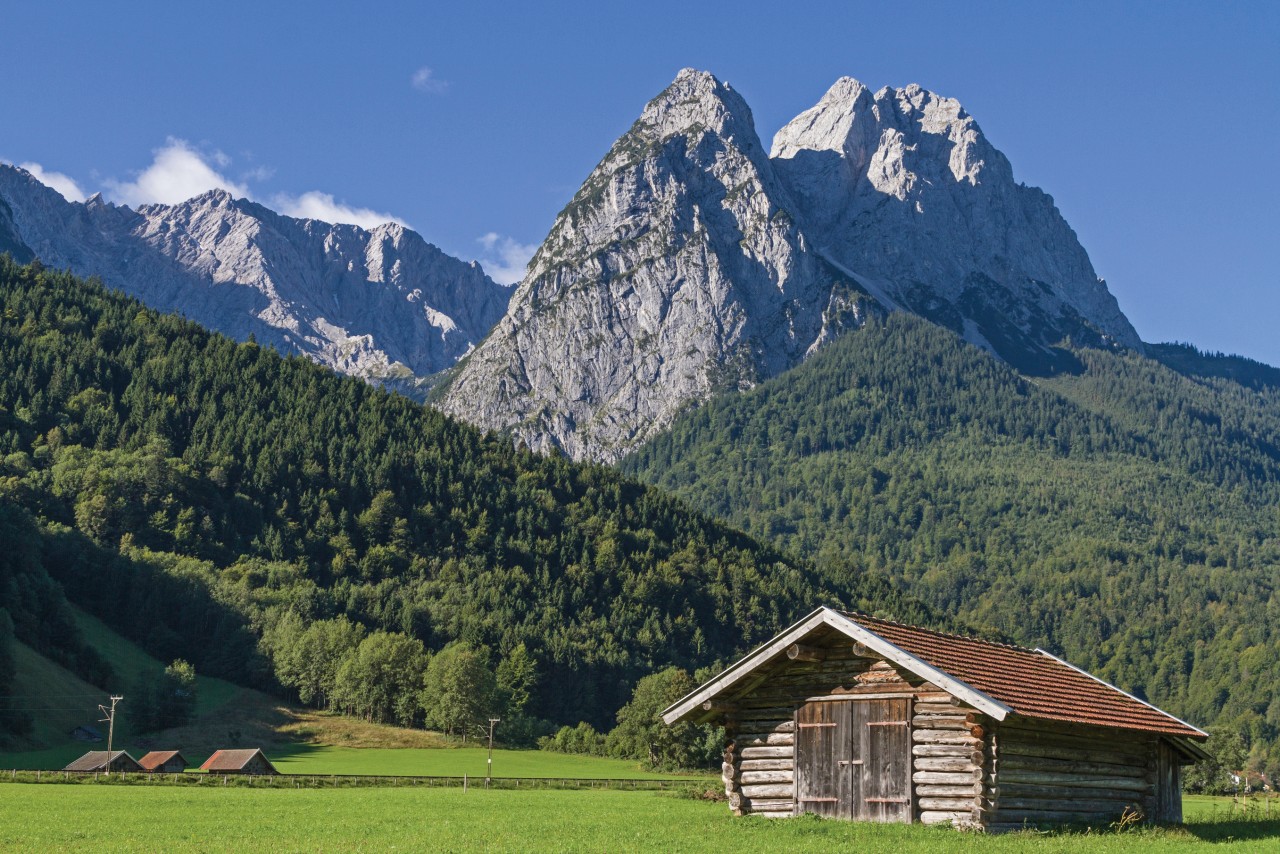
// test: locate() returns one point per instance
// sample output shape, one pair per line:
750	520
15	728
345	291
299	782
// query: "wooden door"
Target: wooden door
886	772
826	759
853	759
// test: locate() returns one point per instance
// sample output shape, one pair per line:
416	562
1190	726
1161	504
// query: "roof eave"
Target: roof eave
736	672
953	686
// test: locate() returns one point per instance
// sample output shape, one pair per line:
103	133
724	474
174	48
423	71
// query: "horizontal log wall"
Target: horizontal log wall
948	760
1044	773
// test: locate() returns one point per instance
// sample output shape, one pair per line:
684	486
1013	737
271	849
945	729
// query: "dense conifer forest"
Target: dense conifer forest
273	523
1124	514
268	521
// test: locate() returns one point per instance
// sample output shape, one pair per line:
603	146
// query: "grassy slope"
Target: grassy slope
57	699
34	817
129	662
60	702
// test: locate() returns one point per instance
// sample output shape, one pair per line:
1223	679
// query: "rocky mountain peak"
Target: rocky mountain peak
697	100
217	197
829	124
903	190
696	119
676	271
903	141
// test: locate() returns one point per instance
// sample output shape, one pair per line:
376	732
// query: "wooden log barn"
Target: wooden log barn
251	761
854	717
101	760
164	762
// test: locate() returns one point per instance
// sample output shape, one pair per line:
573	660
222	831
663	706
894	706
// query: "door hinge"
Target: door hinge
888	723
813	726
887	800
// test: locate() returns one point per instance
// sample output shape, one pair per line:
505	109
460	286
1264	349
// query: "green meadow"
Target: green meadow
54	817
455	762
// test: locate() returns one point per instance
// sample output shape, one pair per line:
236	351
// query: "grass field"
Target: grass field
120	818
309	759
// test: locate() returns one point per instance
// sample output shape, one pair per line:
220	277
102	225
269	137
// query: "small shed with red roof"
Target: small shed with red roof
163	762
250	761
850	716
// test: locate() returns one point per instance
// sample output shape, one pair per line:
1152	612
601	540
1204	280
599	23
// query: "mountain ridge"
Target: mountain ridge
381	303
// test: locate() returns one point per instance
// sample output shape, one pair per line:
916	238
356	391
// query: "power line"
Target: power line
74	694
85	709
110	720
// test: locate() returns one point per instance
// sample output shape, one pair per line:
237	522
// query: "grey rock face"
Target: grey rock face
691	262
902	189
676	270
383	304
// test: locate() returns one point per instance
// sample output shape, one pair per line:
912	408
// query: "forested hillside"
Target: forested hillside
1125	515
198	495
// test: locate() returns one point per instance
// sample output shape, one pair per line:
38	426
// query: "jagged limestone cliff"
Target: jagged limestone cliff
677	270
902	188
690	262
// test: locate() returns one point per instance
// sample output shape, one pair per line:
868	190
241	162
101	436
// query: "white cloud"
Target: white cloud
505	259
425	80
178	172
69	189
322	206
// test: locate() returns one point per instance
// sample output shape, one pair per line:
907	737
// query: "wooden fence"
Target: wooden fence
337	781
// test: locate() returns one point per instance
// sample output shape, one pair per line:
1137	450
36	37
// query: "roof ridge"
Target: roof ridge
856	615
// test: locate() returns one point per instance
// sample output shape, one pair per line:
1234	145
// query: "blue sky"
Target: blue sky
1155	126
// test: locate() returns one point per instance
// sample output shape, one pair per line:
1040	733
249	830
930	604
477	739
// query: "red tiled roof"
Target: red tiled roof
231	760
156	758
1032	683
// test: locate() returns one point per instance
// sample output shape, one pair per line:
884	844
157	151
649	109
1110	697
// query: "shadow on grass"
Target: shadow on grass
294	751
1237	828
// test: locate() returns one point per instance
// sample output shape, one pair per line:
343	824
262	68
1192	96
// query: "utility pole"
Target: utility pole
110	721
489	772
